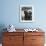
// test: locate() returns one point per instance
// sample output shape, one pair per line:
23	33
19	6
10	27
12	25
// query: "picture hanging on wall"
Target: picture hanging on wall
26	13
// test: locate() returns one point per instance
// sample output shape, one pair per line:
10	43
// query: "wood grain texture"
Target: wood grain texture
23	39
34	39
13	39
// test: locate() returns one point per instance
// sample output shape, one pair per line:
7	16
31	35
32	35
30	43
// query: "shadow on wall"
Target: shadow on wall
2	26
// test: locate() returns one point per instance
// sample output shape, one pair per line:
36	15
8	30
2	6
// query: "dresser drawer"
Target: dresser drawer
37	39
37	44
12	39
13	33
34	33
13	44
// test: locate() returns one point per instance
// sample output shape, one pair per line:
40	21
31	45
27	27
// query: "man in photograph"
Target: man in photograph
28	14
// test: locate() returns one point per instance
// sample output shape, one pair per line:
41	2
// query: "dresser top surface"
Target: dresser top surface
22	30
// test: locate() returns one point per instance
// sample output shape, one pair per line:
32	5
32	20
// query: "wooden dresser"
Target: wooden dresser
23	38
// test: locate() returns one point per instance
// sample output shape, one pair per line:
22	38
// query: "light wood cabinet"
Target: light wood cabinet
23	39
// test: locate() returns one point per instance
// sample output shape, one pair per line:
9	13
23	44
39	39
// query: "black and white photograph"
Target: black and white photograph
26	13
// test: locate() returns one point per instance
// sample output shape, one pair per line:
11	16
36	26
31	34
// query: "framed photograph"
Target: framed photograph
26	13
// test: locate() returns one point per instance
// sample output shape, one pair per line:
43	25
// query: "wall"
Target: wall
10	13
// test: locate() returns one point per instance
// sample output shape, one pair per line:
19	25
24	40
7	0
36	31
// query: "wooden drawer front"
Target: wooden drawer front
33	33
13	40
20	44
37	45
37	39
33	40
13	33
27	41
